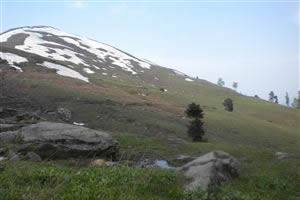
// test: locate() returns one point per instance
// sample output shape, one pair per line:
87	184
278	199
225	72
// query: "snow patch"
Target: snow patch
87	70
179	73
125	66
78	124
13	58
96	67
64	71
189	80
105	74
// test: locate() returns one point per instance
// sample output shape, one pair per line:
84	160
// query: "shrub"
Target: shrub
228	104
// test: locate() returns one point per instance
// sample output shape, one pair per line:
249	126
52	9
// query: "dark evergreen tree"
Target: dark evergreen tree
271	96
287	99
194	111
228	104
275	99
235	85
195	128
221	82
296	102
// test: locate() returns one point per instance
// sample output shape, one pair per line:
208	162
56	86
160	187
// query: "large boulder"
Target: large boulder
209	170
60	141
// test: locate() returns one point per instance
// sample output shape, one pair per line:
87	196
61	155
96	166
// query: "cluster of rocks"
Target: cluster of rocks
34	139
10	155
207	171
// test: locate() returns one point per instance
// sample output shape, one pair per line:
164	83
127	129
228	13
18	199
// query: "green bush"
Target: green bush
228	104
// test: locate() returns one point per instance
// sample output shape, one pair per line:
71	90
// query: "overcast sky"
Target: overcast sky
254	43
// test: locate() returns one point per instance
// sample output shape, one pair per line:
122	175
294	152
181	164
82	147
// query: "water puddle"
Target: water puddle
163	164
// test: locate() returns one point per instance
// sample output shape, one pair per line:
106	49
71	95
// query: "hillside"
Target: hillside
142	104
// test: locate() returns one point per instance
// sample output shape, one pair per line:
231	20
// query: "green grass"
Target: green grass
154	127
53	180
26	180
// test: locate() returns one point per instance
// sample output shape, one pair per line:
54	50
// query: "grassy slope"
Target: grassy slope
154	126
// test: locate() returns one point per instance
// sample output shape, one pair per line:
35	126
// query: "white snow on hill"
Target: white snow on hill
71	55
12	59
189	80
37	42
64	71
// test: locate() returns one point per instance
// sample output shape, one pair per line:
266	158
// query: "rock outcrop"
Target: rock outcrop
209	170
61	141
64	114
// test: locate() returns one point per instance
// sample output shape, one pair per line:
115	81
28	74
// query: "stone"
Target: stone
98	163
182	160
2	151
284	156
110	164
281	155
210	170
7	112
33	157
12	156
64	114
144	163
3	159
27	118
62	141
9	127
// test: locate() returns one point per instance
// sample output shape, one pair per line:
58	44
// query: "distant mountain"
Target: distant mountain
71	55
108	89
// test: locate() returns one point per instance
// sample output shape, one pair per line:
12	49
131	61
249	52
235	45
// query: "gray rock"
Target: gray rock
144	163
64	114
7	112
284	156
31	156
281	155
182	160
9	127
60	141
27	118
3	159
110	164
12	156
209	170
7	121
2	151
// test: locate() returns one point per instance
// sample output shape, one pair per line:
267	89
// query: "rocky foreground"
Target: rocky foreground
31	138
